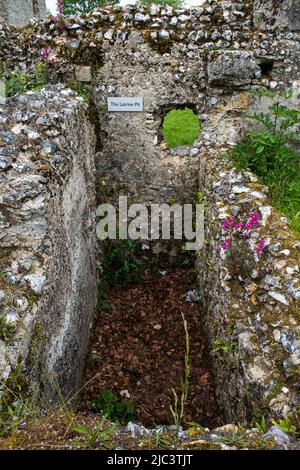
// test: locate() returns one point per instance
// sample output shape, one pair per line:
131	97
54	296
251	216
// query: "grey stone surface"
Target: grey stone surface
232	69
19	12
47	213
271	15
280	437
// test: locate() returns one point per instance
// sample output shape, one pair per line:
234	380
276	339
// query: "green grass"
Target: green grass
181	127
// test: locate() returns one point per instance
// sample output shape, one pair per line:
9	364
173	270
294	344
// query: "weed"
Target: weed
104	306
224	345
113	408
7	330
199	198
178	407
234	439
159	439
286	425
82	90
99	436
31	297
21	82
14	405
261	425
194	429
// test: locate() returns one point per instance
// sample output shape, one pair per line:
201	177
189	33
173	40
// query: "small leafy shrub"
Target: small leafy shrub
119	264
113	408
240	259
286	425
268	154
21	82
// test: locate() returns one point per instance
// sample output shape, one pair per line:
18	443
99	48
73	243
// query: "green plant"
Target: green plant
159	439
172	3
21	82
199	198
261	425
104	306
178	407
181	127
79	7
224	345
7	330
234	439
286	425
95	437
31	297
119	265
81	89
113	408
11	416
14	403
194	425
269	154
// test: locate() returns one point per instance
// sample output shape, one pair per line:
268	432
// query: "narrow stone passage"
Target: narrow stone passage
138	349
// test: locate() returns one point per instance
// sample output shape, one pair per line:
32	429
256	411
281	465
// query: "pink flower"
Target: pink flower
229	223
45	52
226	245
252	221
60	8
54	19
260	246
238	226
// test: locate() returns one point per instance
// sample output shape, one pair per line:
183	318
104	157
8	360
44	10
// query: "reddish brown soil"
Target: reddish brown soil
129	353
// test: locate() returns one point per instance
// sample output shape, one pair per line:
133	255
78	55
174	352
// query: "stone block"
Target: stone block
83	73
232	69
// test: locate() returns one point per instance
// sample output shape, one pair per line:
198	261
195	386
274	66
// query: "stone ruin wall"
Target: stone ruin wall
204	58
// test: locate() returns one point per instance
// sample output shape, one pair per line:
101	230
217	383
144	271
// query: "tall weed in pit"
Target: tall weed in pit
269	153
179	403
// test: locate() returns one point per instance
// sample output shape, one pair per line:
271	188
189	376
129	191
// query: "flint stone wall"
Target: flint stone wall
255	315
48	286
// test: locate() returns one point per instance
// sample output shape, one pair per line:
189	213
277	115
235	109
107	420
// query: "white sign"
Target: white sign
120	104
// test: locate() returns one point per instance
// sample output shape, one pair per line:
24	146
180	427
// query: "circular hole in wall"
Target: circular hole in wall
181	127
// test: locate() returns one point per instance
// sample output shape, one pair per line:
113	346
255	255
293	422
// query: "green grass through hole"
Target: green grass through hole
181	127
